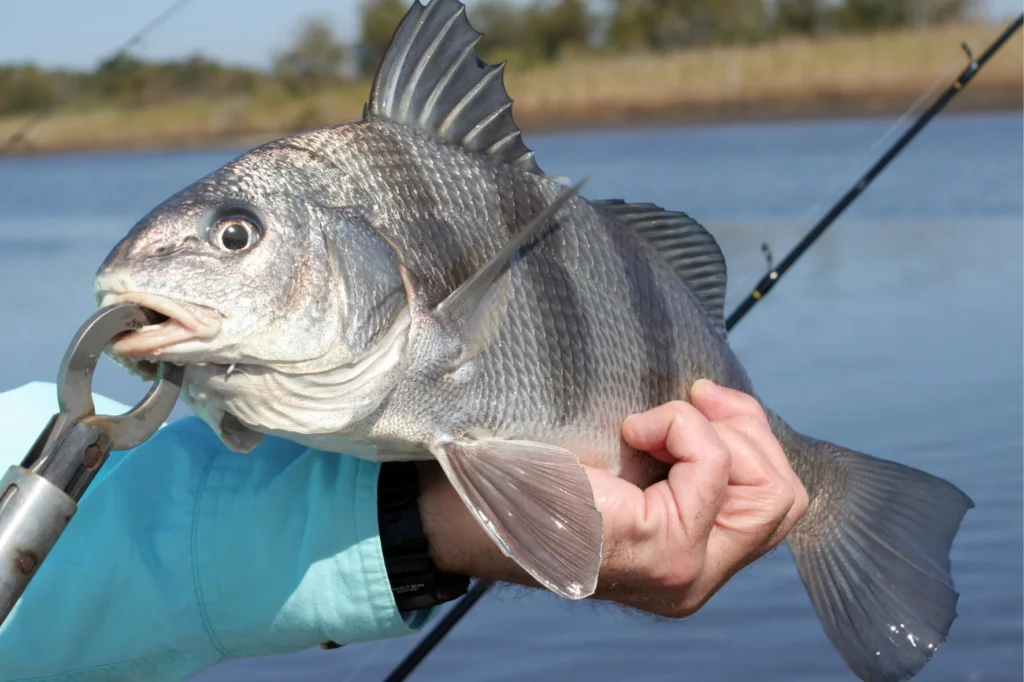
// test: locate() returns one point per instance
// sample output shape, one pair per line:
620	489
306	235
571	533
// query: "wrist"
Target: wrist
457	542
416	581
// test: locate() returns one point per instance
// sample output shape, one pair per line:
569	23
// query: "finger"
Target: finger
741	411
664	456
701	477
677	433
749	465
648	430
775	465
761	508
759	433
800	498
746	414
801	501
719	402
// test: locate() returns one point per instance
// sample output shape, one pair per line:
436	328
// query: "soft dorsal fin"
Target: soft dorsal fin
685	245
430	78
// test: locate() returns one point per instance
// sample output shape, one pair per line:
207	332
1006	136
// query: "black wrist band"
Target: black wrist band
415	581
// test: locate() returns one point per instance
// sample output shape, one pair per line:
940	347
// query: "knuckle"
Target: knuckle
687	606
678	576
783	496
750	406
751	426
679	416
683	414
802	500
787	498
679	407
718	457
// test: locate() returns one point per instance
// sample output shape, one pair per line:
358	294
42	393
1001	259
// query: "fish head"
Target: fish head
258	278
228	260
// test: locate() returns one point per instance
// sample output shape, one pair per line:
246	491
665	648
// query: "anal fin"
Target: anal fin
535	501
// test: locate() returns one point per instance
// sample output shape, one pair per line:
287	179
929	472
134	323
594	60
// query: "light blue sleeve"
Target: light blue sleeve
184	554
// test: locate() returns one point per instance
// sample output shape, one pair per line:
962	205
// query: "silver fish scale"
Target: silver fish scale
596	322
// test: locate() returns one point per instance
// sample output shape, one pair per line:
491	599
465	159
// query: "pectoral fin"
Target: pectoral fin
536	503
477	307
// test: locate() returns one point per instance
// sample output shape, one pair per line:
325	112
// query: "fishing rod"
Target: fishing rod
19	135
481	587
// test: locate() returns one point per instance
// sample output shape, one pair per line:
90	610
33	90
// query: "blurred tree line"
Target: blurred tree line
529	30
125	79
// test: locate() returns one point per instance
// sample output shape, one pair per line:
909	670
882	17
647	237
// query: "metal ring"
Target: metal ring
74	386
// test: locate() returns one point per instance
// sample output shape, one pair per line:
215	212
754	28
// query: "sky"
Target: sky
80	34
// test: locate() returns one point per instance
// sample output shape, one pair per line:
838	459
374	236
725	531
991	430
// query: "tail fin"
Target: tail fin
873	553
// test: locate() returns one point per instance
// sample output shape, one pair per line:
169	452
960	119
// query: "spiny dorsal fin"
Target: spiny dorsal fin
685	245
431	78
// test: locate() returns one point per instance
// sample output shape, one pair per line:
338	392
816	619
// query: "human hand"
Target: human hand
729	498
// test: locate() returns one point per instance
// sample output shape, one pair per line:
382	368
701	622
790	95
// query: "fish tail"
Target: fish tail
873	551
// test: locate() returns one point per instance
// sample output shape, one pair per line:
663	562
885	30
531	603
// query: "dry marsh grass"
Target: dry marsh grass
897	63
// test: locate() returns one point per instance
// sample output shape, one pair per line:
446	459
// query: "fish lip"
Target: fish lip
180	326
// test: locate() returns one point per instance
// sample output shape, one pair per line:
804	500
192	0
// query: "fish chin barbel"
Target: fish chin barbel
39	497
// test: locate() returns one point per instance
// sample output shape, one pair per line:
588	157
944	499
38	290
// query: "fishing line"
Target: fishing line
956	87
913	111
480	587
18	135
380	645
857	167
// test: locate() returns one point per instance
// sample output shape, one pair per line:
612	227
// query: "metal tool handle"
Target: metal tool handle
38	498
33	514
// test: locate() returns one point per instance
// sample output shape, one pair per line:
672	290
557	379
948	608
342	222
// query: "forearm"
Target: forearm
459	545
457	542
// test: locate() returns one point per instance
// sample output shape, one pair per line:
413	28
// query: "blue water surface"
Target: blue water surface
898	334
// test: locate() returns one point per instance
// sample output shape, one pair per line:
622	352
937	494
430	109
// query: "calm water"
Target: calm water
899	334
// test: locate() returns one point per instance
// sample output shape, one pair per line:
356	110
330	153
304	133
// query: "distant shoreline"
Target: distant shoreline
979	101
871	75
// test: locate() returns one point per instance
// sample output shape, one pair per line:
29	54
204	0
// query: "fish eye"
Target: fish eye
235	232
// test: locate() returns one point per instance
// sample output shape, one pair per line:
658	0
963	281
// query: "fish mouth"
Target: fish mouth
172	324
